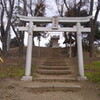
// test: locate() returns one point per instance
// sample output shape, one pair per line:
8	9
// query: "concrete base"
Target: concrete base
26	78
82	78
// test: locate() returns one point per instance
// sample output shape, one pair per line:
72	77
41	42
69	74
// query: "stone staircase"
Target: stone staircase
54	75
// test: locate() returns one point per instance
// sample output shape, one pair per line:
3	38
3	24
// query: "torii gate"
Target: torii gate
55	20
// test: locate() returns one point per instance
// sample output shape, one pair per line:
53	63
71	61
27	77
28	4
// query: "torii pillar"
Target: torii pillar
29	54
80	53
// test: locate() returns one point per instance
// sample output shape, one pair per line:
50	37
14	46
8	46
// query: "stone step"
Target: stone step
55	60
54	67
53	79
43	87
55	76
53	72
54	64
59	61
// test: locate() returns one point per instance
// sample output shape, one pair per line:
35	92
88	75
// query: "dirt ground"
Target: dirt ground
12	89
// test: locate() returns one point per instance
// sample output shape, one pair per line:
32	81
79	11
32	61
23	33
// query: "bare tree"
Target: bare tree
93	26
72	8
29	7
7	10
76	9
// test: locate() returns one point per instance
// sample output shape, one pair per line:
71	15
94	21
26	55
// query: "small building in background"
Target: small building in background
54	41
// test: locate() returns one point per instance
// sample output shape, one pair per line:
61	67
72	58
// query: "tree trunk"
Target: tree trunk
91	39
92	34
21	44
21	49
4	44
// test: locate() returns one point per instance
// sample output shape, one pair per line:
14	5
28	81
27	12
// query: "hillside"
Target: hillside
12	70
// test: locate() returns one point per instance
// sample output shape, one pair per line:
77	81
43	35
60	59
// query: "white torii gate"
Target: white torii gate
78	28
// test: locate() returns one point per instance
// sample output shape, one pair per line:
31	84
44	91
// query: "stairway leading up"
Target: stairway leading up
54	75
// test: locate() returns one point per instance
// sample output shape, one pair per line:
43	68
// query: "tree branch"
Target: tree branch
91	7
96	15
15	33
66	4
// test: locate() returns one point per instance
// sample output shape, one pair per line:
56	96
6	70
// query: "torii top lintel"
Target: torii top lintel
49	19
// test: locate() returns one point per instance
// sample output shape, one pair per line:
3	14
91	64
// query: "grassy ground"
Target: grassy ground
14	71
11	71
93	72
